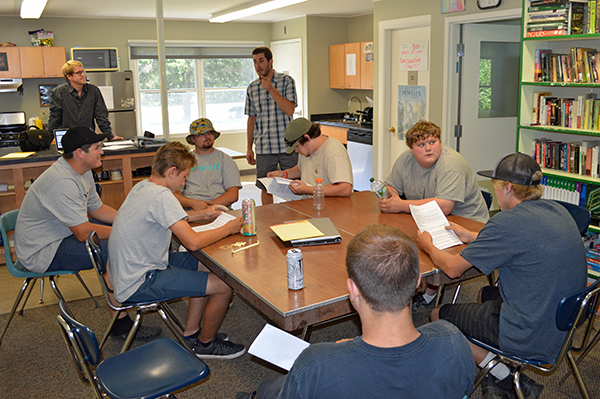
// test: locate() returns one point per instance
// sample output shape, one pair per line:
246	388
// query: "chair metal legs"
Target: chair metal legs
41	291
578	378
16	305
27	297
87	289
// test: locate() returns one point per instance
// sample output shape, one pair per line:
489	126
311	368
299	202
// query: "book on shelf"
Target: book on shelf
537	74
591	17
546	7
535	117
547	33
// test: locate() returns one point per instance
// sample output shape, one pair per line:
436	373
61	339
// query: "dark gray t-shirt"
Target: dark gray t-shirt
438	364
540	257
450	178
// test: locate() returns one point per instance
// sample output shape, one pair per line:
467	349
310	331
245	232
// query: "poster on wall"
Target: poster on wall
452	6
411	107
414	56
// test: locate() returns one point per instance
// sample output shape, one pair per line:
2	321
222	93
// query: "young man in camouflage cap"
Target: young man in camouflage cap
215	180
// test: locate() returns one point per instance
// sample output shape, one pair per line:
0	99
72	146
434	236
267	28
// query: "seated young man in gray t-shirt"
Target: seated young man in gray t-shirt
142	268
54	219
215	180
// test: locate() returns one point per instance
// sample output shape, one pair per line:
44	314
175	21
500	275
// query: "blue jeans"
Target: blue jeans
180	279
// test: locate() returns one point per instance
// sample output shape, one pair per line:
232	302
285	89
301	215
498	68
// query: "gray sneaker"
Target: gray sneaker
219	349
191	340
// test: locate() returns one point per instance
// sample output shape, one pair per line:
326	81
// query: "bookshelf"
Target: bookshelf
529	84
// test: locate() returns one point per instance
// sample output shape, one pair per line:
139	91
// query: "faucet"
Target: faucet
359	104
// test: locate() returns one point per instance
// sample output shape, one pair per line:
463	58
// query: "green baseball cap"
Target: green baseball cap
201	126
294	132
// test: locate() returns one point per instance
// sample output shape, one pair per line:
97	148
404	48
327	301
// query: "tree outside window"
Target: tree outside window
219	93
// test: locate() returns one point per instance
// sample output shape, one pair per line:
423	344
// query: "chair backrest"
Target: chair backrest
8	221
488	198
82	346
95	252
581	215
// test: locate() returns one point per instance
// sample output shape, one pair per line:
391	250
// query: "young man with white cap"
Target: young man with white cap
54	219
536	247
322	157
215	180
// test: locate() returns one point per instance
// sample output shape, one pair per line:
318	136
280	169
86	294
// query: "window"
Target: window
201	82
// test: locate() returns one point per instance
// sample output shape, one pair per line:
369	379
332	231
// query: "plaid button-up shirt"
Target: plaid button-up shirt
271	121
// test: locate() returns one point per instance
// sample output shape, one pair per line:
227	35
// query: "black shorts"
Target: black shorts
478	320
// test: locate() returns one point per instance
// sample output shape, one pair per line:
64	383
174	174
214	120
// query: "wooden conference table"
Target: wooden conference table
259	274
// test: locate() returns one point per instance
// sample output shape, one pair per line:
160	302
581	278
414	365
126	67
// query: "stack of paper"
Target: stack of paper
277	347
296	230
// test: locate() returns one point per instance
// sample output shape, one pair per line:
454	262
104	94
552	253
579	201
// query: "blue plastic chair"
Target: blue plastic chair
160	306
488	198
149	371
7	224
572	312
581	215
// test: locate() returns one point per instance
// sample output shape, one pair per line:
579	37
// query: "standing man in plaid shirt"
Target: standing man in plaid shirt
270	103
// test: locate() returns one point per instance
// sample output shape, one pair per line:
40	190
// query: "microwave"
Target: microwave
96	59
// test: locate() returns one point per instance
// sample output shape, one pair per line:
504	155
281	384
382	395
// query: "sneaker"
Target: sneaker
491	390
246	395
420	302
219	349
144	333
530	388
194	337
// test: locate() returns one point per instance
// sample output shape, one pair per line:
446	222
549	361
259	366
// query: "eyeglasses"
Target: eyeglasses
82	72
291	143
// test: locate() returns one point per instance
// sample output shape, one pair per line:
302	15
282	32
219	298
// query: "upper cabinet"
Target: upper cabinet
350	67
10	65
42	62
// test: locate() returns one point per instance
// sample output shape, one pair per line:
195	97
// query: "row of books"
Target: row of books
579	66
591	243
582	158
565	18
582	112
583	194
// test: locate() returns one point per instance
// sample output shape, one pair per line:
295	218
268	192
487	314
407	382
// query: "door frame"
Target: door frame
382	165
450	82
303	87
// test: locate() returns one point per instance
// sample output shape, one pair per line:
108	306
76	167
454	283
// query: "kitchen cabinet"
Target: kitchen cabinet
367	59
339	133
346	64
13	62
42	62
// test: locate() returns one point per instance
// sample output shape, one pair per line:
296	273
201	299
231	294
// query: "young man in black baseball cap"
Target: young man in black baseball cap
54	219
536	247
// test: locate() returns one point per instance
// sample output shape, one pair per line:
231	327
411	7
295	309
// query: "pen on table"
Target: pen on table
242	248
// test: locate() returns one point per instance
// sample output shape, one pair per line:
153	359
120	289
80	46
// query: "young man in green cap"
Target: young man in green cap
322	157
215	180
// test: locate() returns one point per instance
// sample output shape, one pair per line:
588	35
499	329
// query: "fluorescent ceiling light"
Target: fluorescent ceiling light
245	10
32	9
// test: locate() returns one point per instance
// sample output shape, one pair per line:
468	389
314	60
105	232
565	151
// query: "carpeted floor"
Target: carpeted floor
34	362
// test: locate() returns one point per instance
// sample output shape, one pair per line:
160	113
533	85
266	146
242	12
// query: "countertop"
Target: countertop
337	119
52	155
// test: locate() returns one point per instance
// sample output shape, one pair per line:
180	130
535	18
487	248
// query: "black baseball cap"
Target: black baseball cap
78	136
515	168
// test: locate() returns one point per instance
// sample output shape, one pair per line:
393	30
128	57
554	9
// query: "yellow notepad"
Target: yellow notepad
17	155
296	230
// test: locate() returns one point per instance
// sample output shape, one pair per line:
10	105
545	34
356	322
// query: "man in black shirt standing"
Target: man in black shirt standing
78	103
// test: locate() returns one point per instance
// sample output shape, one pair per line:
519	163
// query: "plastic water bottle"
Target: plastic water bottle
319	196
379	188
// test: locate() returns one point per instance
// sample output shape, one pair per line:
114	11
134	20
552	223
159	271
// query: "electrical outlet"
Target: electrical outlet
44	114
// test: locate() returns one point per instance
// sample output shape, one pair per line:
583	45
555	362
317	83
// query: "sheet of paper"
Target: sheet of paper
429	217
296	230
107	94
221	220
17	155
279	189
277	347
